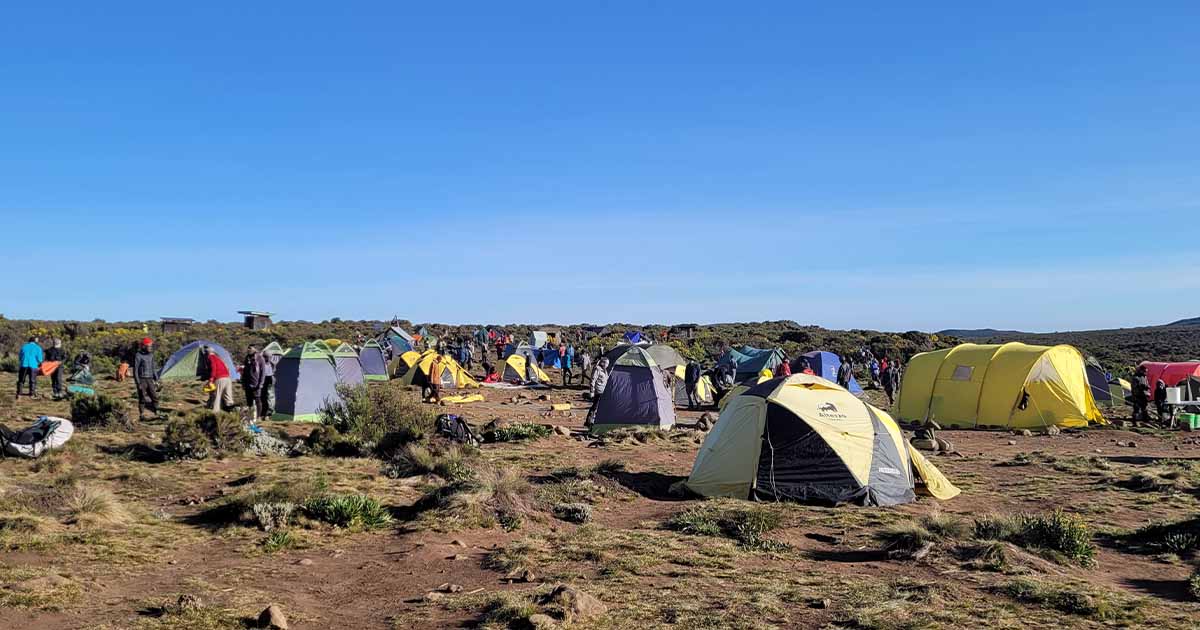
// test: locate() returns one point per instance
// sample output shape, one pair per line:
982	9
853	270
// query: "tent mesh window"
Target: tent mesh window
797	464
963	372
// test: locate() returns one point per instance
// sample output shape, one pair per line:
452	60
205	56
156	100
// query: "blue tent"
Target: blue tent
633	336
825	365
549	358
749	362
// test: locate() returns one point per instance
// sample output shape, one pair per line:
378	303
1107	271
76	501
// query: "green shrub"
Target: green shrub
183	439
380	418
9	364
348	510
1059	532
279	540
519	431
1178	537
1193	585
100	410
328	442
448	460
205	434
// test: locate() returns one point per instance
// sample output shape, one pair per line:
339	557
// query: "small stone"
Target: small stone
457	542
273	618
449	587
434	596
459	557
577	605
563	431
188	603
305	562
1053	430
1131	444
542	621
1012	442
1026	433
820	603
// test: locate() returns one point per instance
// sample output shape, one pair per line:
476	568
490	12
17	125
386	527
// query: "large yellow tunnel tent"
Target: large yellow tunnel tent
1012	385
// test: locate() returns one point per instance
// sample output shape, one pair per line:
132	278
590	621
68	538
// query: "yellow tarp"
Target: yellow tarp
1013	385
935	483
462	399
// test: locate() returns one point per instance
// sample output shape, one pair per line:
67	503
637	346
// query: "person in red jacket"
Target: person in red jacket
218	377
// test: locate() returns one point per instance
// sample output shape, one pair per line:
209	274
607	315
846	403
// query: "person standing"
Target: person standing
562	363
785	367
57	355
585	366
30	361
266	402
531	369
145	378
252	380
218	377
432	391
845	373
1160	402
691	379
1140	395
885	379
570	364
599	384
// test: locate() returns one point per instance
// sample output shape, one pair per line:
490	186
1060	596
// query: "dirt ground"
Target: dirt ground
830	573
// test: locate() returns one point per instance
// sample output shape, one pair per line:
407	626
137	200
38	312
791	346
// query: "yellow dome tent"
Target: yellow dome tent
405	362
1013	385
704	388
453	375
514	370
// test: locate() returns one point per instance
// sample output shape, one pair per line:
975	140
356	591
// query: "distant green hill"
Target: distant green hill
979	333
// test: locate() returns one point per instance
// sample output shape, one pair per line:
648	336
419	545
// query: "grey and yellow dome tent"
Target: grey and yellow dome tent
305	379
636	394
349	368
704	389
1014	385
515	367
803	438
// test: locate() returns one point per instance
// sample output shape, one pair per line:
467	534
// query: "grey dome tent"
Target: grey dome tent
349	369
374	364
636	395
305	379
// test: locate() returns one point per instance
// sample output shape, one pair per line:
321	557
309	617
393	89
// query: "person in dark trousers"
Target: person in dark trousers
432	390
562	363
845	373
1140	395
1160	401
30	358
531	370
691	379
252	380
266	394
885	379
145	377
56	353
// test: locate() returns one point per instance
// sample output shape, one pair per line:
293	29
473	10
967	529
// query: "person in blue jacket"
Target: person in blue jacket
31	358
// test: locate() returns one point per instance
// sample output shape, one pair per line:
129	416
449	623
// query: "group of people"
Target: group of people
34	362
1141	395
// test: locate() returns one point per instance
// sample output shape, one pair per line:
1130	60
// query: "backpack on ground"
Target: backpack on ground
47	434
457	429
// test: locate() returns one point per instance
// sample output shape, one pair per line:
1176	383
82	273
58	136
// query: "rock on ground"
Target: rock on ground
273	618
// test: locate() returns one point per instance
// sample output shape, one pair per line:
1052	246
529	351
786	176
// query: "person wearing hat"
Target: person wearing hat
59	356
145	377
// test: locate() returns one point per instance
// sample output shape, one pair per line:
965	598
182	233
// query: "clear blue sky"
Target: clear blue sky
912	165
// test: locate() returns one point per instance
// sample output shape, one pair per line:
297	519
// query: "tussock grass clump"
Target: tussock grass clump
380	419
901	604
911	535
573	512
94	507
205	434
353	511
510	610
1071	599
487	496
279	540
1058	534
1193	585
747	525
100	411
1160	479
448	460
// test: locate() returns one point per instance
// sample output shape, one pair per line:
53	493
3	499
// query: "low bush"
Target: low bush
1193	585
1179	537
1057	533
518	431
448	460
326	441
485	496
205	434
279	540
273	516
354	511
94	507
9	364
380	418
912	535
1071	600
99	411
745	524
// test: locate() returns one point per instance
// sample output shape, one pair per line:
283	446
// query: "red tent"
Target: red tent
1171	373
